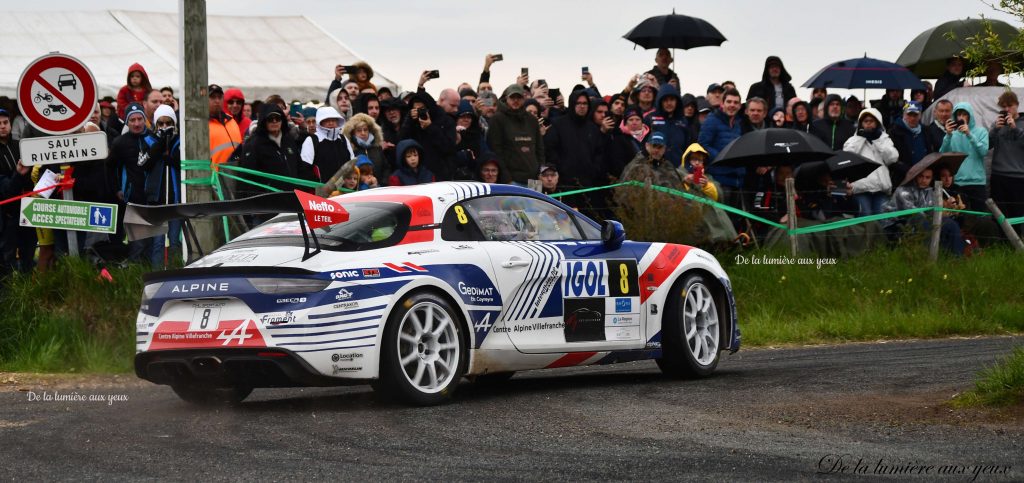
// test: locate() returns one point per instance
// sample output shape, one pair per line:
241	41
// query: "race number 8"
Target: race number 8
460	214
626	272
623	278
206	319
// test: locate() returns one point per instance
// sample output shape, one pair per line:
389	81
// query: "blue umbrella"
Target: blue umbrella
865	73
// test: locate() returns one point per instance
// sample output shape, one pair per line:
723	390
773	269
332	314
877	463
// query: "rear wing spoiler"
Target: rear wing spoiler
144	221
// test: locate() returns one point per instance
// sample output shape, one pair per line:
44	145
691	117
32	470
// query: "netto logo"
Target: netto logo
321	206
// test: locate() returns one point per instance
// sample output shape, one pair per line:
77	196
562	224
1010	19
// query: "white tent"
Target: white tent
290	56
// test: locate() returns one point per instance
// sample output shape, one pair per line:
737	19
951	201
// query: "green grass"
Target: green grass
886	294
999	385
68	320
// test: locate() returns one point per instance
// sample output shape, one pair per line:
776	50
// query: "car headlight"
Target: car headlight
288	285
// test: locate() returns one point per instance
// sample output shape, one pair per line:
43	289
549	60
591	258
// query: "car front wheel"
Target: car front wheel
424	353
691	331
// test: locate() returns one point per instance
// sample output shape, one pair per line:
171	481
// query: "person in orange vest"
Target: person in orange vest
224	133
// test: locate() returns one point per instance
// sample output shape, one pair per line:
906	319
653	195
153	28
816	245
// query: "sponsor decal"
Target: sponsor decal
371	272
629	319
583	319
343	294
346	305
278	318
344	274
462	247
336	369
200	287
549	283
653	345
292	300
351	356
623	333
623	305
421	252
584	278
477	294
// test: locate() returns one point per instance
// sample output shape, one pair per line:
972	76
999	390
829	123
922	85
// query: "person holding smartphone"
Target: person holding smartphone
965	136
1007	141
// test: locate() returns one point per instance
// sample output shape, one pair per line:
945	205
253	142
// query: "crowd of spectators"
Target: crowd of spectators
360	136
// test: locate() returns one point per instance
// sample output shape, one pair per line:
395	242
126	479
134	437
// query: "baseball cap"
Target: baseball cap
632	111
133	109
215	89
513	90
912	106
657	139
547	167
4	113
714	86
106	104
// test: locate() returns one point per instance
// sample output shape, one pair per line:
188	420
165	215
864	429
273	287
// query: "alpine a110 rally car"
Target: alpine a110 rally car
410	289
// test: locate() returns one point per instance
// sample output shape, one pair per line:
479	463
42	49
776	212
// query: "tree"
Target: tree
987	46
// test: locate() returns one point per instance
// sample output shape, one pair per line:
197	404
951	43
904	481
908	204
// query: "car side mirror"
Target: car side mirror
612	234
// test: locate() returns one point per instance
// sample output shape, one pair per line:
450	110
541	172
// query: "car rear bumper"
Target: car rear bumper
253	367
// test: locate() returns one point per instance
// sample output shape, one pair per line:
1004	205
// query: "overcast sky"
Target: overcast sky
554	39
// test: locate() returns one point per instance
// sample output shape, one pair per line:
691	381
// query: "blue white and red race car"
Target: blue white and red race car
412	288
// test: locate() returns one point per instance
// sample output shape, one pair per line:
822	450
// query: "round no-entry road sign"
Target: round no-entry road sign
57	93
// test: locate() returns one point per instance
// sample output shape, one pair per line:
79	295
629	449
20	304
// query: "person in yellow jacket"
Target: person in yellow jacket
694	176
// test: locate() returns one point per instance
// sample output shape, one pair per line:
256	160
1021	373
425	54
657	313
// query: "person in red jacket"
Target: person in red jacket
135	90
234	101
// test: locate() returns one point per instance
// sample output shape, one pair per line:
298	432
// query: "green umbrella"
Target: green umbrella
926	55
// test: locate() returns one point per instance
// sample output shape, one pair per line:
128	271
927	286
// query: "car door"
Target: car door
553	304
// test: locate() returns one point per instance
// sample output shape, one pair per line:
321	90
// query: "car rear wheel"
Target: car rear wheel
691	332
210	395
424	353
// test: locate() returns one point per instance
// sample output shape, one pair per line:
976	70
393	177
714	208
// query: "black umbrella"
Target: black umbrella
926	55
843	165
773	147
674	32
864	73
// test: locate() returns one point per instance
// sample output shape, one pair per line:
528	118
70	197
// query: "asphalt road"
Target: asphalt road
847	412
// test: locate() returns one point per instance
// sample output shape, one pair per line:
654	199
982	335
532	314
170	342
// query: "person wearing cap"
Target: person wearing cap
774	86
703	111
910	140
309	121
17	243
126	153
1007	140
643	97
328	149
514	136
714	95
162	164
651	164
548	177
633	126
107	113
225	135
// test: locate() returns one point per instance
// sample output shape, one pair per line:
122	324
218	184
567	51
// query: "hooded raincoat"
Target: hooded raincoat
975	145
880	150
328	149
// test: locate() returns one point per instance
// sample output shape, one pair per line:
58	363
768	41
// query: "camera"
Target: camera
497	57
422	114
433	74
351	69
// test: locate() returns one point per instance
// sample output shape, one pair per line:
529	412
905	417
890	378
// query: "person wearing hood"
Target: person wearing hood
328	149
834	129
775	86
410	172
621	147
273	149
872	142
367	104
951	79
365	136
910	140
234	102
694	163
801	116
514	135
340	100
391	119
777	118
434	129
853	108
162	163
669	120
965	136
918	193
136	89
576	145
691	112
890	107
367	178
470	144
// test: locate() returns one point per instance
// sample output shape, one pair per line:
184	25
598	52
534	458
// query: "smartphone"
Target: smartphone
525	71
585	71
554	93
489	102
542	82
295	110
497	58
351	69
698	174
433	74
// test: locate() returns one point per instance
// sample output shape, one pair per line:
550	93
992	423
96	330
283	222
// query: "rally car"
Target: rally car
410	289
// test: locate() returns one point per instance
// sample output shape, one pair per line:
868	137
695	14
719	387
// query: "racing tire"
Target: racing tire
209	395
424	351
691	332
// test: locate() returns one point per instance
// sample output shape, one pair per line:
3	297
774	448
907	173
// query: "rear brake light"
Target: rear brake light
288	285
271	354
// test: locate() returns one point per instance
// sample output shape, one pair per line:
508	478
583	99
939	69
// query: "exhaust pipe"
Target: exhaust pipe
206	365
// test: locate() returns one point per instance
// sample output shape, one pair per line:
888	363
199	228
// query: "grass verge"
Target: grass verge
999	385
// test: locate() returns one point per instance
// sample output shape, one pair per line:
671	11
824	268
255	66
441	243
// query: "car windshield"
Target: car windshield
370	225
